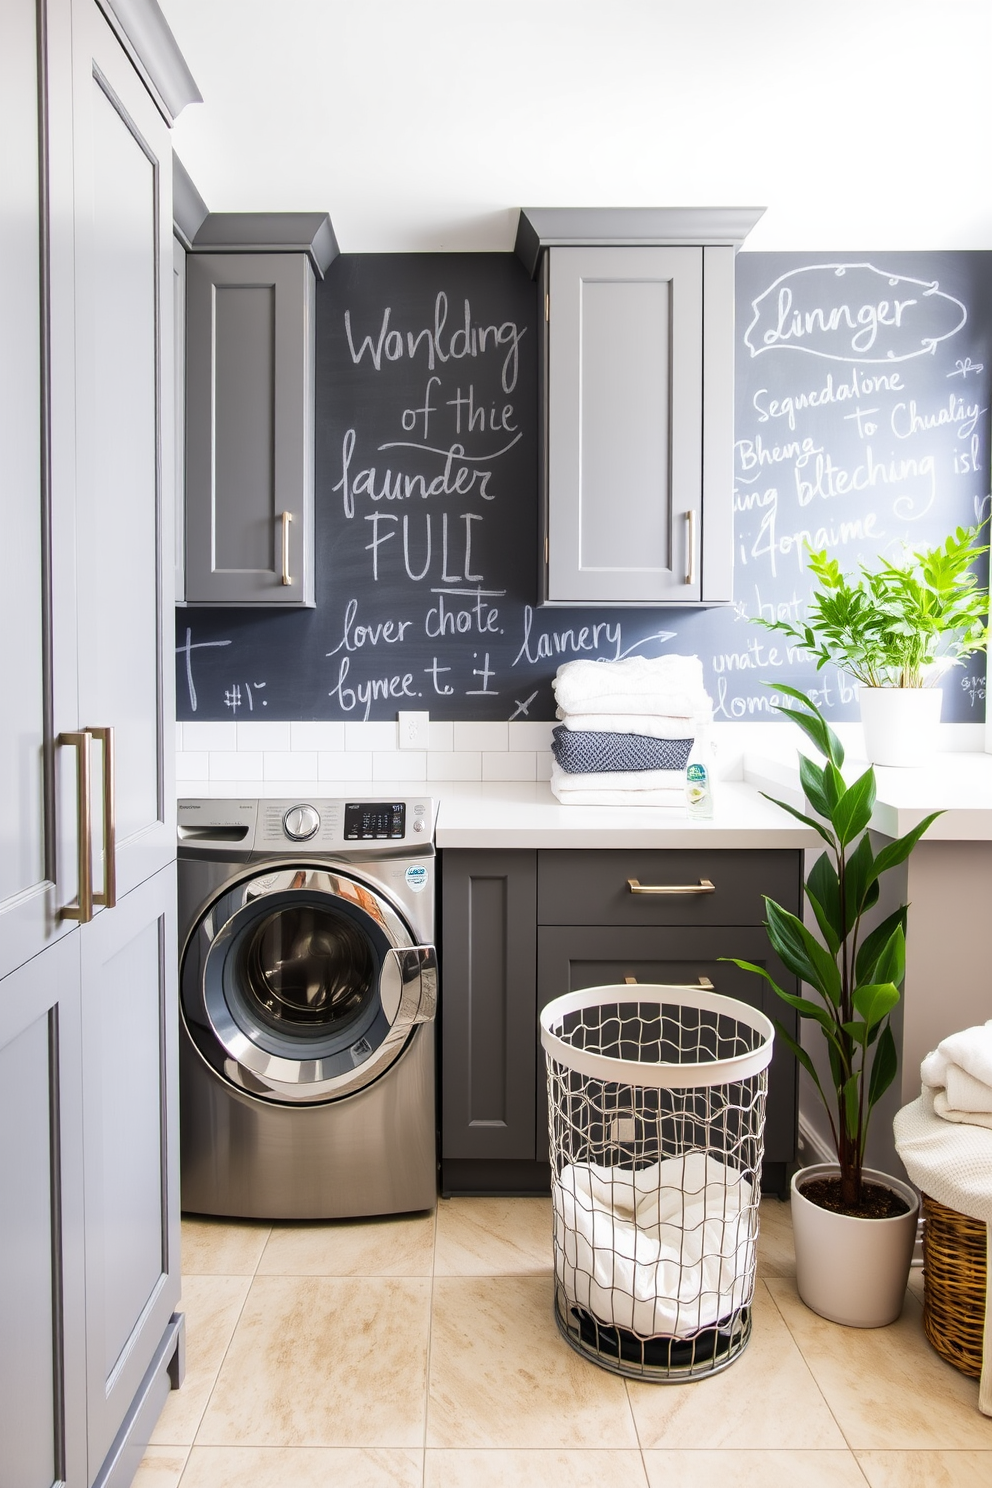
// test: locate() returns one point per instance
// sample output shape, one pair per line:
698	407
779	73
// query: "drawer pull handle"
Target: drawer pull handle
703	983
704	886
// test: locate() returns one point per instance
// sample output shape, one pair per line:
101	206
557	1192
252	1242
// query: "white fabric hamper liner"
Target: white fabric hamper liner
662	1248
666	1250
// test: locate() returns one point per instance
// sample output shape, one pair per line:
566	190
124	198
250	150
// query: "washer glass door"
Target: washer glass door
302	984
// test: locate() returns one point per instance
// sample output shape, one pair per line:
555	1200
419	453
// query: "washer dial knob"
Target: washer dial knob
300	823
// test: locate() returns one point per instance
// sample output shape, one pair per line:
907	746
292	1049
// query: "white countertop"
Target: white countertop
959	784
528	815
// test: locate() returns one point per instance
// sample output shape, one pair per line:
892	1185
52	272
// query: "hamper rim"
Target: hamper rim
659	1075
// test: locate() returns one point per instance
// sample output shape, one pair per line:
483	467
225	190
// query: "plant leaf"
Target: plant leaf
859	875
875	1001
852	812
827	926
883	1067
891	963
812	777
823	889
849	1097
802	952
897	852
804	1059
809	820
871	948
812	723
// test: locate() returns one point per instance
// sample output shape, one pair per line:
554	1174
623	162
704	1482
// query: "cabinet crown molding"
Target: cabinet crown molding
145	35
269	232
548	227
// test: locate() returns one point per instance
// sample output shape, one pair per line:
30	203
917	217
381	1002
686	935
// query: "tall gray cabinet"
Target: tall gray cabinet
89	1276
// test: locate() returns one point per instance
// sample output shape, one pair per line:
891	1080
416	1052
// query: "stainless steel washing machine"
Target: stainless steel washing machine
308	984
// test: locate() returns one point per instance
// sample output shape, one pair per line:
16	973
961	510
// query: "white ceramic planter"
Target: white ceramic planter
852	1271
901	724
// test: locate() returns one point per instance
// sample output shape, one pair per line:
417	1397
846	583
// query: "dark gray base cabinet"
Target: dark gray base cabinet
520	928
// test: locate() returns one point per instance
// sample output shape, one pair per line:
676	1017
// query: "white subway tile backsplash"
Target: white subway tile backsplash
481	736
236	764
264	735
529	735
179	738
210	736
465	764
400	764
341	765
440	737
545	760
504	765
325	736
192	765
370	736
299	764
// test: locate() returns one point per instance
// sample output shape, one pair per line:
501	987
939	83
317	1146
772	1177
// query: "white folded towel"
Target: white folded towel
653	725
662	684
959	1072
625	780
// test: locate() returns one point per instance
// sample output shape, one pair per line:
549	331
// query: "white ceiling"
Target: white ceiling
426	124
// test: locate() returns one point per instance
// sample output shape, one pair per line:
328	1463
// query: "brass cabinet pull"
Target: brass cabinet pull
704	886
690	547
287	517
703	983
108	896
82	910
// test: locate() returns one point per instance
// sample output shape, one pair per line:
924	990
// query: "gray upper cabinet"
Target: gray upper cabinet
637	402
249	429
250	407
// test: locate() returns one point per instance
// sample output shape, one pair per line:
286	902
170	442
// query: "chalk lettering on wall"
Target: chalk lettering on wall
427	488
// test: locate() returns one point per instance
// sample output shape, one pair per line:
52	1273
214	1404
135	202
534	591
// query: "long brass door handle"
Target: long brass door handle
286	518
108	895
690	547
704	886
82	910
703	983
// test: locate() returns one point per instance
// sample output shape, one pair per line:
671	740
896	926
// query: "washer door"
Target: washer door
301	984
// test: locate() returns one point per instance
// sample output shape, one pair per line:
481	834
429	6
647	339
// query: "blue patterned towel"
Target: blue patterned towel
581	753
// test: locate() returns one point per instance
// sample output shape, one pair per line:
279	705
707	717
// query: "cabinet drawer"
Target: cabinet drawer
592	888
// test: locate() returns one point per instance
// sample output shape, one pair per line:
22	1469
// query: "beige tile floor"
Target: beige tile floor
420	1352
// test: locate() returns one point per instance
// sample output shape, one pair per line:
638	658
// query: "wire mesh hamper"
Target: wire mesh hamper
656	1109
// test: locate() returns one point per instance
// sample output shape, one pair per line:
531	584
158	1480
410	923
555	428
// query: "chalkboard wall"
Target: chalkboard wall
862	422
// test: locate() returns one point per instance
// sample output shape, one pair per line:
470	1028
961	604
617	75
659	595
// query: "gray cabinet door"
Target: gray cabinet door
488	1011
42	1346
122	164
574	956
249	429
130	1156
625	382
28	712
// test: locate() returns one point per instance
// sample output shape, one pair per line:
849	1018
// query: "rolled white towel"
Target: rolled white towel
627	686
959	1072
654	725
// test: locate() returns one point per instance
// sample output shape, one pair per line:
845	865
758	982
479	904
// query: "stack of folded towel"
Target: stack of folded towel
626	730
959	1075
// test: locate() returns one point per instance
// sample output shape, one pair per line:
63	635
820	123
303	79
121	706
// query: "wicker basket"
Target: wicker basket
954	1285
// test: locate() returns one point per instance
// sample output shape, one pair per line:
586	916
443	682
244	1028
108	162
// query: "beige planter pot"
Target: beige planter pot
901	724
852	1271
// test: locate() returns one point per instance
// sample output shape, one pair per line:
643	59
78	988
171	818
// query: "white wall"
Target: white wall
425	124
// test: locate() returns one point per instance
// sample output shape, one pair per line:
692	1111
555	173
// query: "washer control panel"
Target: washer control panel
325	824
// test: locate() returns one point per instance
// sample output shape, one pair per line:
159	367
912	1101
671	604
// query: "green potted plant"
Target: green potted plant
854	1227
897	628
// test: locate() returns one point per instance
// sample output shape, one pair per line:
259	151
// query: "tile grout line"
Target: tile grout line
206	1406
830	1410
430	1339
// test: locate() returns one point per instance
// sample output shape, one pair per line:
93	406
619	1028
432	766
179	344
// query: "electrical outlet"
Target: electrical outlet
413	730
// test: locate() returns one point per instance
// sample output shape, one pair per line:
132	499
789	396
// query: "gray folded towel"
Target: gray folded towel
580	752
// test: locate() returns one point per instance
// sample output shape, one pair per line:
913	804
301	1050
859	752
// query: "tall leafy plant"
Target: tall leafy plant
855	975
899	624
